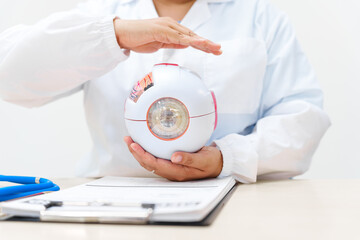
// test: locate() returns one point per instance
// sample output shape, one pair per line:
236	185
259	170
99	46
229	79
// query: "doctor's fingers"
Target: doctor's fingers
202	44
169	22
165	168
208	159
162	167
171	36
155	46
137	152
178	173
182	30
174	46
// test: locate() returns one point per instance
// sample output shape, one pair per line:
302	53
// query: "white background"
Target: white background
50	140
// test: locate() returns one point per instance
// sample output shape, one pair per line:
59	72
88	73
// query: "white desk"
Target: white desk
293	209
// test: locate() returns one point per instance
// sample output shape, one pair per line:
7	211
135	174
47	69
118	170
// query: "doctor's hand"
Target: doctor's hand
206	163
150	35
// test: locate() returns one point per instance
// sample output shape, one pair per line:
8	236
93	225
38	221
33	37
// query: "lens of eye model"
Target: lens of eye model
168	118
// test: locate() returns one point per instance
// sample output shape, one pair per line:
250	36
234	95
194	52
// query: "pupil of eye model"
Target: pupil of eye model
168	118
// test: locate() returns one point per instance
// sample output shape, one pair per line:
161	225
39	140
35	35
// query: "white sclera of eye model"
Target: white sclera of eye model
170	110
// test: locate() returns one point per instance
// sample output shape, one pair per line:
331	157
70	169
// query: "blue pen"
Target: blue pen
30	186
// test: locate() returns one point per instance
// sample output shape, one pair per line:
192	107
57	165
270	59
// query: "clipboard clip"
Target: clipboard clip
96	212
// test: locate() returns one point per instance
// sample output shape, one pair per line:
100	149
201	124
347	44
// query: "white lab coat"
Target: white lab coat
270	119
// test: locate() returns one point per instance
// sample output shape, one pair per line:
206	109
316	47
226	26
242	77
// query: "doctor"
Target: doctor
270	119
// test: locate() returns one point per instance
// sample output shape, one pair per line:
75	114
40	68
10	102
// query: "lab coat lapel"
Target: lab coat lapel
197	15
146	9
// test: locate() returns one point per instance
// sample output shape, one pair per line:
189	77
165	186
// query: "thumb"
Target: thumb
197	160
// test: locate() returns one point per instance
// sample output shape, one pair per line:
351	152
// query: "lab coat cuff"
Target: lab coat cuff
108	30
240	158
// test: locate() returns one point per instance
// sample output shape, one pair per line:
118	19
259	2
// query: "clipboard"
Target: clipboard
207	221
77	212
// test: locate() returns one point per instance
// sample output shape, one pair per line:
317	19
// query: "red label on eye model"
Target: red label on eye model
140	87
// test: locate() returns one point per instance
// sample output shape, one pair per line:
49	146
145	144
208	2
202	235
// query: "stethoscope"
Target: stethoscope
31	186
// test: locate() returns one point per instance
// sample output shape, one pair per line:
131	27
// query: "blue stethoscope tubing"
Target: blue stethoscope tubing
31	186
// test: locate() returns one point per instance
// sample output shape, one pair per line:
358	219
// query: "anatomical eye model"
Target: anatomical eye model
170	110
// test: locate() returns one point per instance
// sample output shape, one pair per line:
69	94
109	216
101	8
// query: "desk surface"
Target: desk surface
293	209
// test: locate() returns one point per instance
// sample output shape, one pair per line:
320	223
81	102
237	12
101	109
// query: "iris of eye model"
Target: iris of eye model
168	118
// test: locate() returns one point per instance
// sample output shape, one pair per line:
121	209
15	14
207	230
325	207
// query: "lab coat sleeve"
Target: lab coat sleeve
291	122
56	56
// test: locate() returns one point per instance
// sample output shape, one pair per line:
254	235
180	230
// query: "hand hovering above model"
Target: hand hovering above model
150	35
